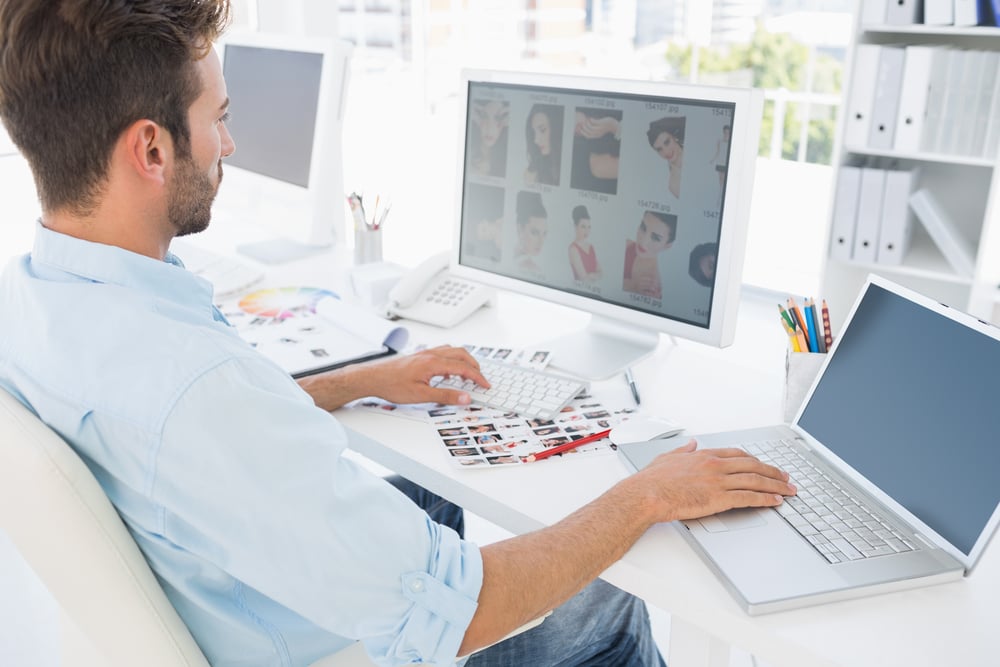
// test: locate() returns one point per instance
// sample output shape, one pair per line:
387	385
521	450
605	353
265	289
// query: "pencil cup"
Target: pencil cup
367	245
801	369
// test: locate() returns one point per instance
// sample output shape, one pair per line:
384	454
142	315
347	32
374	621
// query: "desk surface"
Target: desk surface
706	390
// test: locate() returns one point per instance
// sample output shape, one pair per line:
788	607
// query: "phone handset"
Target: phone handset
430	294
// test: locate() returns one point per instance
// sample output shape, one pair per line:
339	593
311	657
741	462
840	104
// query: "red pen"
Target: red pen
559	449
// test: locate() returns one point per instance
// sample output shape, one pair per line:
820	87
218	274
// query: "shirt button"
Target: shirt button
417	586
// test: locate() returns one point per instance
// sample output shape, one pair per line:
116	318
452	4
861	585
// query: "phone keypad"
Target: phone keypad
450	292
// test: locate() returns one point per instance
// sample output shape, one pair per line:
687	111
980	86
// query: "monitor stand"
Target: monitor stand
604	348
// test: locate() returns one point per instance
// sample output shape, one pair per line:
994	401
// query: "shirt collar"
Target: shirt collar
102	263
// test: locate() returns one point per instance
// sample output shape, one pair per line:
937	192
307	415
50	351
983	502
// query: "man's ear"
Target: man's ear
148	150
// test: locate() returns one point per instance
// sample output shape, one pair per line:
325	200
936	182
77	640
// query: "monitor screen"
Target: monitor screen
274	94
609	196
285	179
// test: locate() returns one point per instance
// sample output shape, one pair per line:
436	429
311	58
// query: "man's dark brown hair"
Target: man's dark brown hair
74	74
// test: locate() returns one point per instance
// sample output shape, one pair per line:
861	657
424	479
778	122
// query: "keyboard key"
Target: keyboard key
530	393
825	513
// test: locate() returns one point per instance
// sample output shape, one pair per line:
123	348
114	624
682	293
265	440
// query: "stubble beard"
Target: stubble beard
189	206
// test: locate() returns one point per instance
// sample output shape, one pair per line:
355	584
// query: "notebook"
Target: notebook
896	443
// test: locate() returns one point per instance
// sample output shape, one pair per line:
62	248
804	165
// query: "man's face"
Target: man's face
197	175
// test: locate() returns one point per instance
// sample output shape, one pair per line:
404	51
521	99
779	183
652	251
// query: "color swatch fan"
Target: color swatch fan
283	302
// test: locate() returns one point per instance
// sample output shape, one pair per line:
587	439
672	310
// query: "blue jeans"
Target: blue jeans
600	626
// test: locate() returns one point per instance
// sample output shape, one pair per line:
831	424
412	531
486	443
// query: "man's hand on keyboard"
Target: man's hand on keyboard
400	379
406	379
688	483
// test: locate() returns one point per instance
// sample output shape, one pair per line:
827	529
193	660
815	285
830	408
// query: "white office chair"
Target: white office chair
66	529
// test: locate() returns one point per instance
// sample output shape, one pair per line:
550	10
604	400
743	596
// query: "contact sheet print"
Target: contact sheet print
479	437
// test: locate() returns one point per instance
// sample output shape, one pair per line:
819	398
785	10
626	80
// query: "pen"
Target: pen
559	449
631	385
381	218
357	211
374	223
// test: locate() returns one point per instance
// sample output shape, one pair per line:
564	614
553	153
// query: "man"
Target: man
274	549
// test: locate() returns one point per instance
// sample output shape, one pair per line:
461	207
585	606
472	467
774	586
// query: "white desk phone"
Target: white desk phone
431	295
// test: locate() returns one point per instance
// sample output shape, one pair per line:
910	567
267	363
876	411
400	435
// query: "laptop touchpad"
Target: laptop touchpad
737	519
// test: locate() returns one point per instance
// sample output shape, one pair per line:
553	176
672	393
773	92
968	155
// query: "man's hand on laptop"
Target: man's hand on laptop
688	483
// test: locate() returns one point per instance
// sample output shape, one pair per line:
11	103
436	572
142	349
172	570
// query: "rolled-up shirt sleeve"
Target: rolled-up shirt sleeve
253	482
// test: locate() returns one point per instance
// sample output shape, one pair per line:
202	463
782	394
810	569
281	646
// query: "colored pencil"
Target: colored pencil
827	331
800	324
817	322
559	449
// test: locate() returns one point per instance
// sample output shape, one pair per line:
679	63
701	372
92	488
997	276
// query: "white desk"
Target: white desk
706	390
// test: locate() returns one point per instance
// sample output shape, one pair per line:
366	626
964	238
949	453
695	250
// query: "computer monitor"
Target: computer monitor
286	99
625	199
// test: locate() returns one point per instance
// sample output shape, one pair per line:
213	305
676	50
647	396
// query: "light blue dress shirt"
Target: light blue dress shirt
274	548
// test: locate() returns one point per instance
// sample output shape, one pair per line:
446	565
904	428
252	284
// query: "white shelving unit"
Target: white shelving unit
967	187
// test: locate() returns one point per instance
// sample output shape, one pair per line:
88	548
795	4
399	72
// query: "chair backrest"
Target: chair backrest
66	529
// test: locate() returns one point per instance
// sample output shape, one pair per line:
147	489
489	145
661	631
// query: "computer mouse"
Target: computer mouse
641	428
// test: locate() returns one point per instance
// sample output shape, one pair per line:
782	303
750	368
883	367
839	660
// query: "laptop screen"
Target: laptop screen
909	400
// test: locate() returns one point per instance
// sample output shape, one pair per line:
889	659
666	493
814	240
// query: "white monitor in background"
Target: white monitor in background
625	199
286	101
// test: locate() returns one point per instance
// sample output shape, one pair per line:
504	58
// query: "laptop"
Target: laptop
896	455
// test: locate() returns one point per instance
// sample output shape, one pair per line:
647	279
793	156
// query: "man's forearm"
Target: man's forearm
333	389
526	576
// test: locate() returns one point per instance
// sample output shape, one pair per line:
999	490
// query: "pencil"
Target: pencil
817	321
800	336
800	324
811	327
785	316
559	449
790	330
827	331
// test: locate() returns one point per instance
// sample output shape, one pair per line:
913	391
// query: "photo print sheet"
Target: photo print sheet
476	437
479	437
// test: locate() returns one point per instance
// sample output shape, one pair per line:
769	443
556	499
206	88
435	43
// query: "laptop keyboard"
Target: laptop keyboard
825	513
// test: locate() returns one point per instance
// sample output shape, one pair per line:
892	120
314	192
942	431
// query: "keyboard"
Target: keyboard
828	514
528	392
227	274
